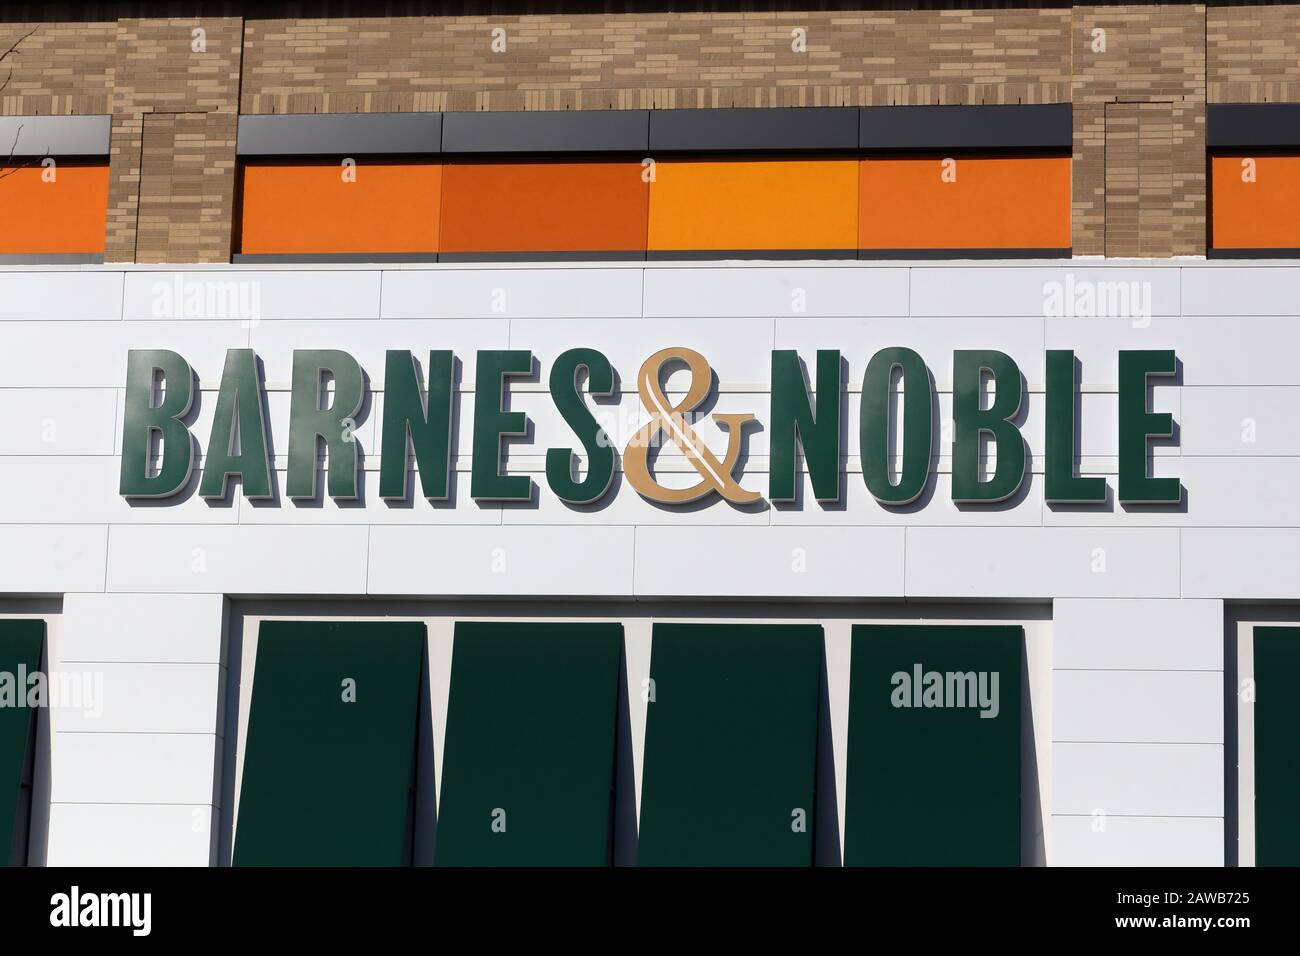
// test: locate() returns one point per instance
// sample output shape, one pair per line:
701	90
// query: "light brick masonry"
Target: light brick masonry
1139	103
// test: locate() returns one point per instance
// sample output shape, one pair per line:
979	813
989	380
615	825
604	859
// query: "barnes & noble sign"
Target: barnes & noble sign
328	391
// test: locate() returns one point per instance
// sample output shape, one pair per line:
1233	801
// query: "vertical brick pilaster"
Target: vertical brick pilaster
1190	190
1153	54
1088	179
171	180
123	187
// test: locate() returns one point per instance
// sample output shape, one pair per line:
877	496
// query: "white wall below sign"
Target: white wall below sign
1132	767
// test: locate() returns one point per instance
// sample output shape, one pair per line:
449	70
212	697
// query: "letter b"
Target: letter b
143	419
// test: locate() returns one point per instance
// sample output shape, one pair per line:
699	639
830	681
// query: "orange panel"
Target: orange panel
993	203
774	204
543	207
67	214
1264	214
312	208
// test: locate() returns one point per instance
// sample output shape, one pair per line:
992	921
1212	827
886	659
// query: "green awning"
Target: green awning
528	766
329	771
20	655
934	746
731	745
1277	753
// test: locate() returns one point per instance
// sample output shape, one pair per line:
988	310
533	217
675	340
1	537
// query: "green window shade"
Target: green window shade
731	745
20	654
528	766
329	780
1277	755
930	781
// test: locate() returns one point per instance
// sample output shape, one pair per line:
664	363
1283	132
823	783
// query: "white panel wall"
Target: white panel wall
1137	732
136	779
1132	689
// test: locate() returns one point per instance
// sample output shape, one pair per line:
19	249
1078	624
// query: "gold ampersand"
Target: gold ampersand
669	419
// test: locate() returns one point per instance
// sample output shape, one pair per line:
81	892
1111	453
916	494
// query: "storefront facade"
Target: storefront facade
1121	632
671	436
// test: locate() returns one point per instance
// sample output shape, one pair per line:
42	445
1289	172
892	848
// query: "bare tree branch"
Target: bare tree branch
13	48
9	168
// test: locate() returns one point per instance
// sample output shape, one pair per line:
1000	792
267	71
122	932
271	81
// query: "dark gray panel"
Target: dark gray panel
339	134
565	255
1252	124
58	136
50	258
887	254
967	127
1280	253
780	129
591	131
362	257
767	255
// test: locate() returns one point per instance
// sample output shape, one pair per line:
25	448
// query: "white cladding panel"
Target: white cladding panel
1129	723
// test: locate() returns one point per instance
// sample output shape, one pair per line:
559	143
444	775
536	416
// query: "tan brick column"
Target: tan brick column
1153	55
174	99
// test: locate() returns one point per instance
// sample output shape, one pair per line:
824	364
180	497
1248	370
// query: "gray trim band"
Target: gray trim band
1229	125
559	131
309	257
1281	253
714	255
652	255
877	254
792	129
51	258
1048	126
775	129
58	136
339	134
571	255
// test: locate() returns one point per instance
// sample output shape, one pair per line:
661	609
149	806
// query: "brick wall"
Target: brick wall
58	68
1153	54
1253	52
661	60
141	70
172	175
171	193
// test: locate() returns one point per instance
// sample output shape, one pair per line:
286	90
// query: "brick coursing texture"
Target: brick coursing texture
171	199
58	69
174	112
661	60
1253	52
172	166
1154	54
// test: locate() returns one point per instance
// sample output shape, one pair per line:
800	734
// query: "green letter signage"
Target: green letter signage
793	419
238	422
491	424
1063	486
1136	424
143	419
328	391
916	423
407	419
599	449
309	422
970	422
